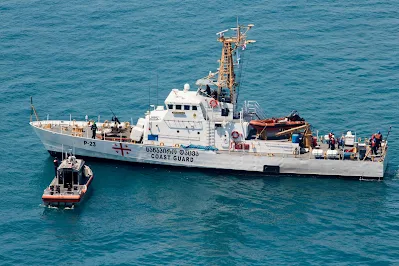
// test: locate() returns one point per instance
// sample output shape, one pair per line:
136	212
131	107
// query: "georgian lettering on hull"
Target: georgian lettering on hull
169	154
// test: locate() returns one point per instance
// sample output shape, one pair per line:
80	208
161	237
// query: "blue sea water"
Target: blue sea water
336	62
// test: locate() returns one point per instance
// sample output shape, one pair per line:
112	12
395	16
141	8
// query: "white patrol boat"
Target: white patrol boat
204	128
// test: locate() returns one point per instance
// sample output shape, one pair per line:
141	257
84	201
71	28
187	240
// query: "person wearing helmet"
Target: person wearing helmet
93	130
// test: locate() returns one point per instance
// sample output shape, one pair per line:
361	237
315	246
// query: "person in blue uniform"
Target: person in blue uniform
93	130
341	142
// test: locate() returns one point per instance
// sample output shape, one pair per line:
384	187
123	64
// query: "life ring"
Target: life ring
195	115
235	134
213	103
161	144
177	145
127	124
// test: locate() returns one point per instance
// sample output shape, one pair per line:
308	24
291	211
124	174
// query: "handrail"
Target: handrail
252	108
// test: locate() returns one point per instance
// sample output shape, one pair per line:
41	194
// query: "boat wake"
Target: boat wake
55	207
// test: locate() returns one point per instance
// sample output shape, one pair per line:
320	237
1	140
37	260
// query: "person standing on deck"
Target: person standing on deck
329	138
56	163
332	142
341	142
93	130
373	144
378	139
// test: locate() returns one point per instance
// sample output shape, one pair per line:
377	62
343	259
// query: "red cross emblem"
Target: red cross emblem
121	148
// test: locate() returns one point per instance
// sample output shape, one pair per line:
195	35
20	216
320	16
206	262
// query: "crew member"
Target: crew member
378	139
56	163
314	142
329	138
341	142
373	144
214	94
332	142
208	90
93	130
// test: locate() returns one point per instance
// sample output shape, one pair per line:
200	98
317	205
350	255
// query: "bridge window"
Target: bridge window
178	107
170	106
194	108
187	107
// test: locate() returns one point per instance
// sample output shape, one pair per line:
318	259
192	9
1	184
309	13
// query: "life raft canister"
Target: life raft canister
213	103
235	134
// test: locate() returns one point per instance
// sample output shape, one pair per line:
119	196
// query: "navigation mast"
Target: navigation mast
227	81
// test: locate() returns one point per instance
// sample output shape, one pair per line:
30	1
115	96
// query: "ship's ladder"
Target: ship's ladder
210	133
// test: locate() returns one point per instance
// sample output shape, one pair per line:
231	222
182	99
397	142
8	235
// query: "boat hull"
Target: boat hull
65	199
223	160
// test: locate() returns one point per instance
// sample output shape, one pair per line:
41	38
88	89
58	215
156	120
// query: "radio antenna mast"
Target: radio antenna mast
227	82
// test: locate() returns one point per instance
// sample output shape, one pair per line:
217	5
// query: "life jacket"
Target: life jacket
378	136
373	143
332	141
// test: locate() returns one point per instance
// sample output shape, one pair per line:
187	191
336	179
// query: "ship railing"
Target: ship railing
180	137
253	110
